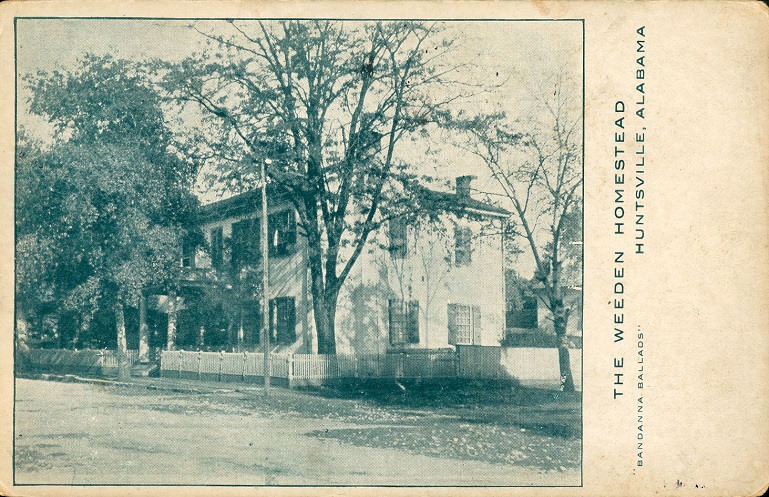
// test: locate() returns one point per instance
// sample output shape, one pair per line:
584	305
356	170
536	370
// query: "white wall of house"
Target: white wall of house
427	274
288	275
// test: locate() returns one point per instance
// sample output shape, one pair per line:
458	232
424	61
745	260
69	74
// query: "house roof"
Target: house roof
455	202
237	205
251	200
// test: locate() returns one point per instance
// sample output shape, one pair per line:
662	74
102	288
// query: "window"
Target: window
526	317
245	243
251	322
283	320
282	226
464	324
404	321
463	245
397	239
216	247
188	252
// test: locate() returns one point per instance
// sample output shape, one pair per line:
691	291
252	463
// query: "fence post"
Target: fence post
243	369
290	364
101	362
458	363
200	358
221	364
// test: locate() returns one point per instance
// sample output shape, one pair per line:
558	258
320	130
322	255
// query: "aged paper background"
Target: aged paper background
699	292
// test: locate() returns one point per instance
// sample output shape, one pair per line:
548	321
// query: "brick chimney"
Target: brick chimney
463	185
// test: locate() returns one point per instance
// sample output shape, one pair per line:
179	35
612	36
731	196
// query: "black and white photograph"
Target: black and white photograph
298	252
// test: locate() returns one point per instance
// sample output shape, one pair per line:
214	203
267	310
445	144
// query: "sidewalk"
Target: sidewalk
176	385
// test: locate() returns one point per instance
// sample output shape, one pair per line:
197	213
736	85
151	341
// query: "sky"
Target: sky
518	55
518	58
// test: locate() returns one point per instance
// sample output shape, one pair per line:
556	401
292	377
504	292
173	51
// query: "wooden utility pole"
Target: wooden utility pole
265	283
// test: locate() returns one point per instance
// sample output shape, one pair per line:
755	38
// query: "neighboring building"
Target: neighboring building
535	317
429	284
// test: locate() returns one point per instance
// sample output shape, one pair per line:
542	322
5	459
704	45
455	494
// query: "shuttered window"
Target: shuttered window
216	247
283	320
464	324
282	227
404	321
188	252
245	243
463	246
397	239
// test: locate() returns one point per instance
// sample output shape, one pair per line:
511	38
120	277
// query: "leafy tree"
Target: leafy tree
538	166
100	215
328	104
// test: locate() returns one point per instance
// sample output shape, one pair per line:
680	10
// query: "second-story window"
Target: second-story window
188	252
282	226
245	243
216	247
463	240
397	238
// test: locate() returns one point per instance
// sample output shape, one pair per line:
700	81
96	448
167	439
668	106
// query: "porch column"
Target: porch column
241	332
202	337
144	331
171	320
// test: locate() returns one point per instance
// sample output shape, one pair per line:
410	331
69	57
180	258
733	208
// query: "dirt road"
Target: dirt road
72	433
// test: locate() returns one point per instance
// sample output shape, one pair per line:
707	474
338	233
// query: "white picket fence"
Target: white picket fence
306	369
537	367
103	362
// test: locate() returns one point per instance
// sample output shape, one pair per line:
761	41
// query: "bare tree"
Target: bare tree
538	166
327	103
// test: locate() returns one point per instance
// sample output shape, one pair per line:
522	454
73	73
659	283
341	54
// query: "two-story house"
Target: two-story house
425	284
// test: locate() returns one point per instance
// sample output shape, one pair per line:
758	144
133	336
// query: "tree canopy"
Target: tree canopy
101	210
326	104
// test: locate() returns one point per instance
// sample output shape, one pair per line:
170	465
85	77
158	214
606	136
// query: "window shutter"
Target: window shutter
476	325
291	319
452	308
392	314
413	321
216	247
290	236
273	315
398	238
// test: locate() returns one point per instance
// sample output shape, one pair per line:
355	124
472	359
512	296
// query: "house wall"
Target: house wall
288	277
427	274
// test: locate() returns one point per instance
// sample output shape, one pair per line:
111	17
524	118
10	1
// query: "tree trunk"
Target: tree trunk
171	345
325	315
230	327
22	347
241	333
144	331
328	344
564	362
323	305
123	365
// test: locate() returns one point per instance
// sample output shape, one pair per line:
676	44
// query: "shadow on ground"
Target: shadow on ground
495	422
